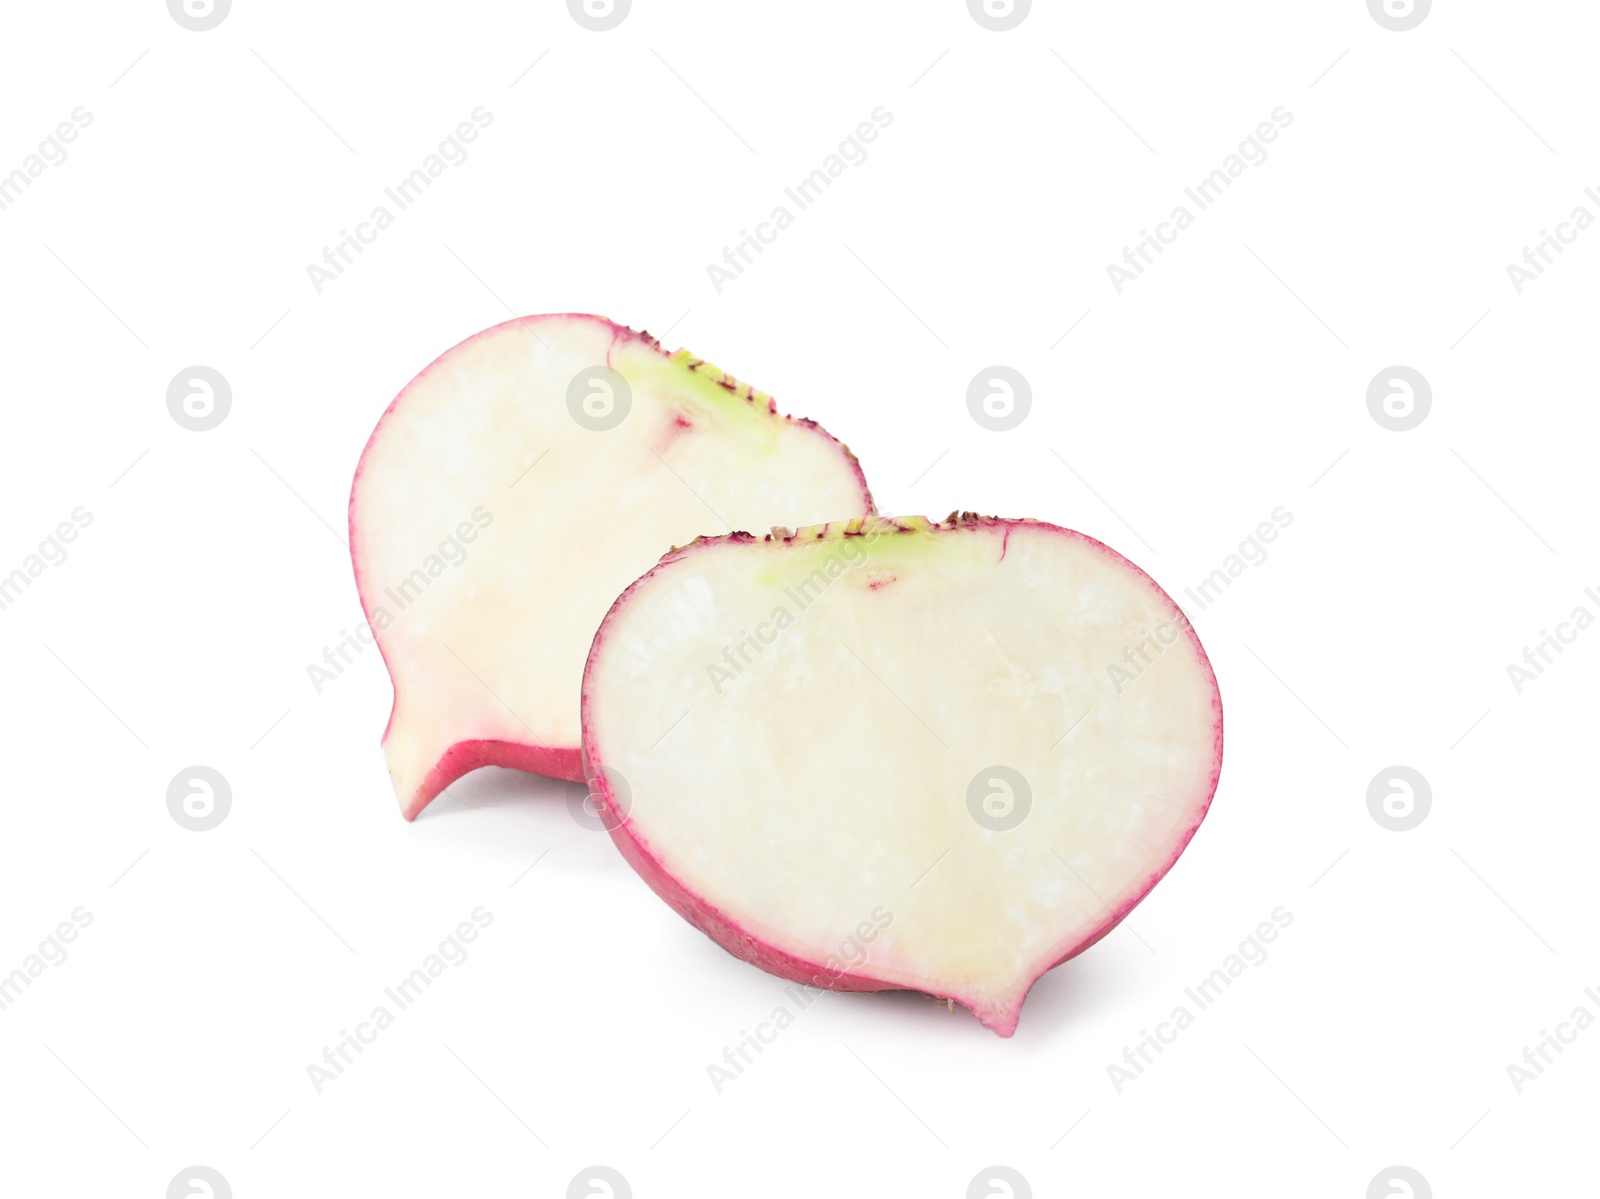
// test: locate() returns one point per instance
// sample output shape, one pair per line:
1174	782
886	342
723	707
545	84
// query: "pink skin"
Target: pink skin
465	756
554	761
742	942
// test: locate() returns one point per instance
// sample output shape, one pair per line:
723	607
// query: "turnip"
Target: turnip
885	753
514	488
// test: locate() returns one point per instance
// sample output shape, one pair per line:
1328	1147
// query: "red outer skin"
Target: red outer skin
726	931
554	761
465	756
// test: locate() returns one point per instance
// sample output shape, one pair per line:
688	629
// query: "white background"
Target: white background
1229	379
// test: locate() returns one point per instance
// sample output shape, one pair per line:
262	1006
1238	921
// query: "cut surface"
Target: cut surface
514	488
894	754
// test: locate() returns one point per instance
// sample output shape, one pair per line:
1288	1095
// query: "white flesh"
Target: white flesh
493	647
828	778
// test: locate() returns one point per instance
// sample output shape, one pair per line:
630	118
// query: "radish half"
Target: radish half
886	753
514	488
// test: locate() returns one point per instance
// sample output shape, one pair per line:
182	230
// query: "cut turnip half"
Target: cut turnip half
892	754
514	488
